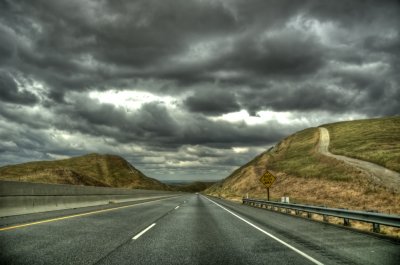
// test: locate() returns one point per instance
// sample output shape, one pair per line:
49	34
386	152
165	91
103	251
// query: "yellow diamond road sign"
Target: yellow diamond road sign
267	179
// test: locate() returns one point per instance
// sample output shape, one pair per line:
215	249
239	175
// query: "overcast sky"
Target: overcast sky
188	89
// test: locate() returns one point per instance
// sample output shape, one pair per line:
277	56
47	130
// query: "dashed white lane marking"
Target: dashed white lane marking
268	234
176	208
144	231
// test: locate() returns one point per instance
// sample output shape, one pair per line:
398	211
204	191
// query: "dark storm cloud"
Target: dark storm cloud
389	45
212	102
283	54
9	91
353	13
151	121
153	124
134	35
305	98
213	57
289	54
129	40
7	49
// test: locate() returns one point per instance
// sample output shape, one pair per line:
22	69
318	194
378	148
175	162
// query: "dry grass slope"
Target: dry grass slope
309	177
92	170
373	140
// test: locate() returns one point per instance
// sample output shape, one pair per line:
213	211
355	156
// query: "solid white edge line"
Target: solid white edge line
176	207
268	234
144	231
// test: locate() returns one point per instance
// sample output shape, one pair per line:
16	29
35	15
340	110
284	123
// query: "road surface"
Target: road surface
379	174
187	229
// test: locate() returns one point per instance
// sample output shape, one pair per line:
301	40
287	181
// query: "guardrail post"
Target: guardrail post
346	222
325	218
376	228
309	215
297	212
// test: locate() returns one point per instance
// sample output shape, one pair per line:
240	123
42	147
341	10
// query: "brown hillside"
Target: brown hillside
91	170
307	176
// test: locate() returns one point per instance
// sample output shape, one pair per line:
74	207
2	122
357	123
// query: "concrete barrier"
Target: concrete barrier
23	197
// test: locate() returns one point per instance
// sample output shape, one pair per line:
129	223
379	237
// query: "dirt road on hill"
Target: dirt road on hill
379	174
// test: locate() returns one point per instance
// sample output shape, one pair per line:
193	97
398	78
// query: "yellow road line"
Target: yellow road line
78	215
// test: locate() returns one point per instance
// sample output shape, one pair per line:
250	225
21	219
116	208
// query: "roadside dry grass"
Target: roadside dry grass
357	195
59	176
373	140
363	226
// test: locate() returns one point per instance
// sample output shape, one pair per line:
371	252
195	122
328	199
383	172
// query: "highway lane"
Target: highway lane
192	229
324	242
82	239
199	232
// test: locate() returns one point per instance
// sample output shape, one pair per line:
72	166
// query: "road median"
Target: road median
18	198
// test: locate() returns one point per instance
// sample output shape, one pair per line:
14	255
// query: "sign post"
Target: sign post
267	179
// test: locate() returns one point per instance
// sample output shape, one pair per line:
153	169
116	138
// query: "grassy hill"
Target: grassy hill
91	170
374	140
307	176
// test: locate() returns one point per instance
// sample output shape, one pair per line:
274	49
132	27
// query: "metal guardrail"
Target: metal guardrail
376	219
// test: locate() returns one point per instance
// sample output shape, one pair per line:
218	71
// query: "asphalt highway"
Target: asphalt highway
186	229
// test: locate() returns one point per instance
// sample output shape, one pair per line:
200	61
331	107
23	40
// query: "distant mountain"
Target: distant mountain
91	170
195	186
308	175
